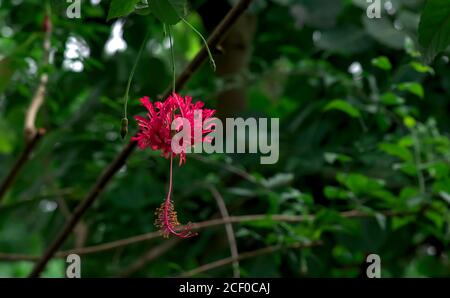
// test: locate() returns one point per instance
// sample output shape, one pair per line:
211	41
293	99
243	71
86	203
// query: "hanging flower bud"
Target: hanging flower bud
47	24
124	128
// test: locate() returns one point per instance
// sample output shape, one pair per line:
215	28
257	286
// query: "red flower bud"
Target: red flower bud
47	24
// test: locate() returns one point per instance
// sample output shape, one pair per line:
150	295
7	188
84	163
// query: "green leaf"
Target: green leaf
327	216
434	28
442	186
410	48
142	10
445	195
409	168
398	222
168	11
384	195
436	218
414	88
382	62
341	105
391	99
439	170
332	192
331	157
409	121
121	8
397	151
406	141
409	193
279	179
359	183
419	67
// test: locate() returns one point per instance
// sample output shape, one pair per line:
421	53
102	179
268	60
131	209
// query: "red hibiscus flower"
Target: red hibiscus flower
156	133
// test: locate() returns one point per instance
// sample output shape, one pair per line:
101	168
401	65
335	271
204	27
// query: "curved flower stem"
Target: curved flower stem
169	193
211	59
130	78
167	216
168	202
124	126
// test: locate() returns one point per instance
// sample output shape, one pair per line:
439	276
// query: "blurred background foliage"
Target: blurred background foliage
364	126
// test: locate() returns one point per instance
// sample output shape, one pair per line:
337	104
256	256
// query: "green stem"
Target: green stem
164	29
130	78
173	58
211	59
418	162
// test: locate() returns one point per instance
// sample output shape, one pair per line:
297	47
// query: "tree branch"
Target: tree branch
116	164
39	96
32	134
17	257
196	226
20	162
247	255
32	111
228	228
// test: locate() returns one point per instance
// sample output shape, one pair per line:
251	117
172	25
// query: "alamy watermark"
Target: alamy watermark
74	266
73	10
374	268
238	135
374	9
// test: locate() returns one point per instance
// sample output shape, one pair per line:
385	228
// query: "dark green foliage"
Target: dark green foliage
364	126
434	28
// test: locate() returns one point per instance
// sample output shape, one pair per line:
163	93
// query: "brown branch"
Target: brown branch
196	226
39	95
32	134
36	103
17	257
80	230
247	255
228	228
81	209
20	162
116	164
